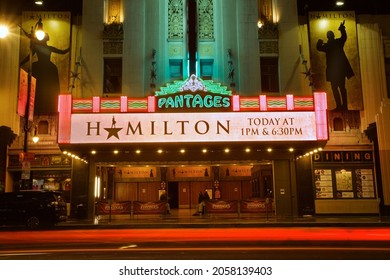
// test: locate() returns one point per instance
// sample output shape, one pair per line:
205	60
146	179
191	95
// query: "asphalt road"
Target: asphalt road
198	244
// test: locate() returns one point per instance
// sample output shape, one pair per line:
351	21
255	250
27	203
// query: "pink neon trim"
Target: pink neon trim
236	103
124	104
263	102
96	104
151	104
320	107
290	102
64	118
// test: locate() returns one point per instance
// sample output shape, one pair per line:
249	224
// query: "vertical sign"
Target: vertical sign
22	98
335	59
23	93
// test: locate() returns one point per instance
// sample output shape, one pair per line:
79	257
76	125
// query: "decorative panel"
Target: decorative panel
175	19
206	19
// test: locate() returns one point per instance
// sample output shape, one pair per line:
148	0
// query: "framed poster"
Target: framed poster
343	180
323	183
365	183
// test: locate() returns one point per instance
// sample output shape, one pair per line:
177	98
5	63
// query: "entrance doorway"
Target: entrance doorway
173	194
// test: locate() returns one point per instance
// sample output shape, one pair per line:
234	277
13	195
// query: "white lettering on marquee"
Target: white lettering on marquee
192	127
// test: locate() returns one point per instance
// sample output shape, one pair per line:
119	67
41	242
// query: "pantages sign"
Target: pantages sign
249	119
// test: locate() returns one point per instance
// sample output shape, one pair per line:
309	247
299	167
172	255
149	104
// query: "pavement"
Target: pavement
185	219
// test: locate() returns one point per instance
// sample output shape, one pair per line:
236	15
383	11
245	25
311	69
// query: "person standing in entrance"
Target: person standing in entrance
337	65
164	198
206	198
199	209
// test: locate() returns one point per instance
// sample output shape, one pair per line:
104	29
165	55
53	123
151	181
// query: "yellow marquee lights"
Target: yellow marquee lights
73	156
205	150
310	153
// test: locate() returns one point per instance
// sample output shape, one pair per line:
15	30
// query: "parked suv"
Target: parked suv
32	208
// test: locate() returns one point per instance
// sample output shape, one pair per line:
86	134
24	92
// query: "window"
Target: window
112	75
338	124
206	69
269	69
43	127
176	68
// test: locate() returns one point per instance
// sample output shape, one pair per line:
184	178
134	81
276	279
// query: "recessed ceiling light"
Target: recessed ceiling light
247	150
159	151
339	3
269	150
138	151
38	2
93	152
291	149
227	150
204	151
116	152
182	151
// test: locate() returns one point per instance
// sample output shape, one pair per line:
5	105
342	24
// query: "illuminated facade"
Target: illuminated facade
224	95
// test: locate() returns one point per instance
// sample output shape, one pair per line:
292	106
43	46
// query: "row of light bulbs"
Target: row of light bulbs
204	151
73	156
310	153
183	151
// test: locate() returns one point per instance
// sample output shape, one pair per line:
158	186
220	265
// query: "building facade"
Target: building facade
267	57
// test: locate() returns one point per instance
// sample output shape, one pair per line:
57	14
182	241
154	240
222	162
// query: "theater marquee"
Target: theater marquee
99	120
193	127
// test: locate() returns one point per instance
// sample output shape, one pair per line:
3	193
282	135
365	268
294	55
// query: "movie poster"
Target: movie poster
335	59
51	56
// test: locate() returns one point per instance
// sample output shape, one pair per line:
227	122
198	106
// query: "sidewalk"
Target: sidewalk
185	219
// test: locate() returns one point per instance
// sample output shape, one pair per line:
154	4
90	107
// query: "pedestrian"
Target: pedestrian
206	195
206	198
199	209
164	198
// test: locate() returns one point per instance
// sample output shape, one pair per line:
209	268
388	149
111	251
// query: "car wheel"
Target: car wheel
33	222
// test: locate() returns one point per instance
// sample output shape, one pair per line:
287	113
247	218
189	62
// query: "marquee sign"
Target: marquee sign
153	119
193	94
192	127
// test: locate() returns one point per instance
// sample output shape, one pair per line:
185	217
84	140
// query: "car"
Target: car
34	209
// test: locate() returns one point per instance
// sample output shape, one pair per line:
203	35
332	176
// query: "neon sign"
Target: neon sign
193	101
193	93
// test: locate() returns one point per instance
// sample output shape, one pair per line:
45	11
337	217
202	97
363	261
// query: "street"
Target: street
276	243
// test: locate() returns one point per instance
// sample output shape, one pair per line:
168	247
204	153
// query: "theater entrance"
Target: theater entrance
173	194
183	183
